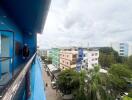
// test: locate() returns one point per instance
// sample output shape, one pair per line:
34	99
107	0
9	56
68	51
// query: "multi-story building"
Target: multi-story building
68	58
130	50
42	52
123	49
90	59
49	53
55	55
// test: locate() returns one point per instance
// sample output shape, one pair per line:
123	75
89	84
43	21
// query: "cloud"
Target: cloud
83	21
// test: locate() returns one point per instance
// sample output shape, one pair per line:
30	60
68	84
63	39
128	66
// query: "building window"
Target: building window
96	58
121	50
96	54
121	47
121	54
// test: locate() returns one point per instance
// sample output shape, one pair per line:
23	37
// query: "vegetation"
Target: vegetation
68	81
93	85
127	98
120	76
108	56
83	85
129	62
46	59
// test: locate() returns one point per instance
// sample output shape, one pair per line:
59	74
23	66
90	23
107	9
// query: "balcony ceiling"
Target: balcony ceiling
29	15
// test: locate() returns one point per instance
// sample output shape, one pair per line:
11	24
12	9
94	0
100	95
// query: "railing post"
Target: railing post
27	79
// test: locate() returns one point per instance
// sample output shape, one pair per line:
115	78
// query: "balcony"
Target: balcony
27	84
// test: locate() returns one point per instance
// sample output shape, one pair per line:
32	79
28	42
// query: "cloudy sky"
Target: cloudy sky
87	23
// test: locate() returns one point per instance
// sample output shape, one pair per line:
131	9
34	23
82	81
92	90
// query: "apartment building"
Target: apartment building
90	59
55	55
49	53
123	49
68	58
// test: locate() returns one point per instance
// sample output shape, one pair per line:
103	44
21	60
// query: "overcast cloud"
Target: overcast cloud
87	22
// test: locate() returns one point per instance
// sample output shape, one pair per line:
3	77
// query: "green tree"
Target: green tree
47	60
129	62
95	86
108	56
119	75
80	92
68	81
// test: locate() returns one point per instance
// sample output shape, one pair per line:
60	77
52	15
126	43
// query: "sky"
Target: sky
87	23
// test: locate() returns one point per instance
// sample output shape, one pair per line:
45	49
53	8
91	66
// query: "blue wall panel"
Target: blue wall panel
7	24
30	40
37	85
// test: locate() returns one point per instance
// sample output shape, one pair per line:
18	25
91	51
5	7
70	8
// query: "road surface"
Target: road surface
51	94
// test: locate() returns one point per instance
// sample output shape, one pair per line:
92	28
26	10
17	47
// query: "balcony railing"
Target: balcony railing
11	91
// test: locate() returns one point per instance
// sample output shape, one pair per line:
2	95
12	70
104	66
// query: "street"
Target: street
51	94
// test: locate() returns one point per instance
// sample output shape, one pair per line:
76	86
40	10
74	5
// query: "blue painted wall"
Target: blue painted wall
79	59
7	24
30	40
37	84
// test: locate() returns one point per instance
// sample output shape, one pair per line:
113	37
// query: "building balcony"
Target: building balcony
27	84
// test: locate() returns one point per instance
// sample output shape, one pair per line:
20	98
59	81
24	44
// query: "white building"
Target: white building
90	59
123	49
130	50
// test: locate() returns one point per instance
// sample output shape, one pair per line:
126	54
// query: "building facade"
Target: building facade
49	53
20	21
68	58
90	59
55	55
123	49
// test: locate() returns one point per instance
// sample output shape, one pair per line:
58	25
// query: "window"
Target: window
74	56
121	54
121	50
96	54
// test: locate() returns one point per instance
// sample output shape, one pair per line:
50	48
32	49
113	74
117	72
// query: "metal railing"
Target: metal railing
4	58
15	85
5	76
